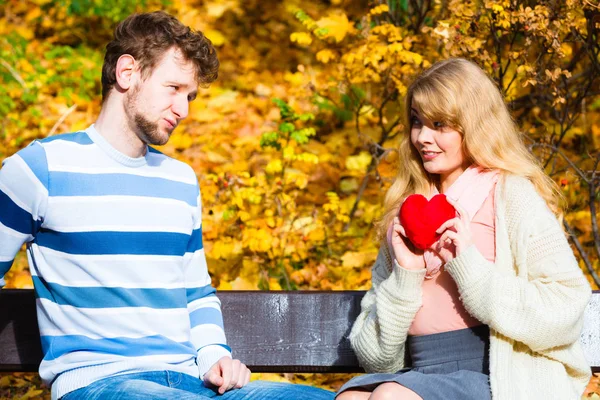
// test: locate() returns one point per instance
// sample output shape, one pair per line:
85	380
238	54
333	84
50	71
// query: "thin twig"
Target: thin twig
62	118
582	253
581	174
15	74
592	191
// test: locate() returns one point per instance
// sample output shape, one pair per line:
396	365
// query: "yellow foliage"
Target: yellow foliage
257	240
278	216
359	162
380	9
335	26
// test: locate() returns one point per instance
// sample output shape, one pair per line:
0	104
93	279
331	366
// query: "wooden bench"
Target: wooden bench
269	331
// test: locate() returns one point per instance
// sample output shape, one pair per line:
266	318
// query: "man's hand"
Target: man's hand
227	374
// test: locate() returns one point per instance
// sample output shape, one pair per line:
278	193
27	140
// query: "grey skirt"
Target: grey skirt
451	366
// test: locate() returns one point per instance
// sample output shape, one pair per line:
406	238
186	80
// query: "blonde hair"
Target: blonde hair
461	95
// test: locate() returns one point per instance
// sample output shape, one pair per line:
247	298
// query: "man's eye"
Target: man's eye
174	87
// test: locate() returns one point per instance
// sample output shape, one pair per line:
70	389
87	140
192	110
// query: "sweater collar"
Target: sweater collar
113	153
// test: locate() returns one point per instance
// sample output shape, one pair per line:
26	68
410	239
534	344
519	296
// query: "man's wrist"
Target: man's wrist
208	356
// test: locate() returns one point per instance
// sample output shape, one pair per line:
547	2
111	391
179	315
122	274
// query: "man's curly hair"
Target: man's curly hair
147	37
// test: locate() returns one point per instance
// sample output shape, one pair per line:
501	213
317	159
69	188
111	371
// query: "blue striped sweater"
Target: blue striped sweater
115	251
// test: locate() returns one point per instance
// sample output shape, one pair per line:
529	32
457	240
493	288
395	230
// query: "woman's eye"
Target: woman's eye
415	121
439	125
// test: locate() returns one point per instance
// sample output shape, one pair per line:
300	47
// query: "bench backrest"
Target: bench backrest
268	331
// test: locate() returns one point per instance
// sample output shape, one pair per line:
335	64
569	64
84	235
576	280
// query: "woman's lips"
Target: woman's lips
429	155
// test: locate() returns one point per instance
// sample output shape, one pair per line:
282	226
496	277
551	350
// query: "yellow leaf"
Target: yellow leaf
295	79
34	13
336	26
274	167
353	259
325	56
216	158
216	9
317	235
26	32
348	185
302	38
243	284
216	37
274	284
32	393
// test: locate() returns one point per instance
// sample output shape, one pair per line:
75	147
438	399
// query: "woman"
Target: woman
494	308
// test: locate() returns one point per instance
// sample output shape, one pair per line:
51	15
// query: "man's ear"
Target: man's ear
126	71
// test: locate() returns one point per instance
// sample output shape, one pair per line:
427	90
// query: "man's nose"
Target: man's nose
181	107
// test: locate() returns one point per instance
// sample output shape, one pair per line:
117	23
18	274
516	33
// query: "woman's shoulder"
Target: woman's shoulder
521	201
518	190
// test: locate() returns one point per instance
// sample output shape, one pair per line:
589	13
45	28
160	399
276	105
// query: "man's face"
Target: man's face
155	106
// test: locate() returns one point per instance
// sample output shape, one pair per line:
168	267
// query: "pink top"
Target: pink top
442	310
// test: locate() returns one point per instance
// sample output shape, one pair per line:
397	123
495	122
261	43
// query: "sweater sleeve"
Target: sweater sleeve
23	201
204	308
379	333
543	305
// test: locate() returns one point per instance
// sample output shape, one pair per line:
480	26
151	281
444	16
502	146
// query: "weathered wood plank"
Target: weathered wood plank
292	331
269	331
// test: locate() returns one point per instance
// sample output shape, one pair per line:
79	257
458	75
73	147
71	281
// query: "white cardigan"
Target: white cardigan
532	298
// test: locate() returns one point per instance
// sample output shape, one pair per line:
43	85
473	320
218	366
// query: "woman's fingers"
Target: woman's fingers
401	230
455	223
449	237
462	213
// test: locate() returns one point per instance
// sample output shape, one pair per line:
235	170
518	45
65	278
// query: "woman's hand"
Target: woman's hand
407	255
456	231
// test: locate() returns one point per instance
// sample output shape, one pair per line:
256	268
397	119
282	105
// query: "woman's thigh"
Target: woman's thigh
353	395
394	391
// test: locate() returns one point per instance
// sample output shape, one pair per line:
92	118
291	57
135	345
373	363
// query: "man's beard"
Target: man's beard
146	130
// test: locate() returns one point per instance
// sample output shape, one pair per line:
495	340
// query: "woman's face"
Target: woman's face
440	148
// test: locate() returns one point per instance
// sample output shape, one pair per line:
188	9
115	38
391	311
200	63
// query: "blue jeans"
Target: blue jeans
178	386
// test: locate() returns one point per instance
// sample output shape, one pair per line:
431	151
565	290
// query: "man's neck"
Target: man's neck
112	126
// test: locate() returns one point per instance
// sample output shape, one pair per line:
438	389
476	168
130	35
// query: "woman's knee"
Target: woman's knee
394	391
353	395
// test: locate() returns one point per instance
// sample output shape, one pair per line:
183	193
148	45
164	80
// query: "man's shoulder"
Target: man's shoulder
79	137
171	165
37	148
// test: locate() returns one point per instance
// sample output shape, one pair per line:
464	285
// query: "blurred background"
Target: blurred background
294	144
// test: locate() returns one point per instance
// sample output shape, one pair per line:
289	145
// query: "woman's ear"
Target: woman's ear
126	71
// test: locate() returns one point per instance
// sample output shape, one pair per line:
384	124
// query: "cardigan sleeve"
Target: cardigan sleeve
542	306
387	311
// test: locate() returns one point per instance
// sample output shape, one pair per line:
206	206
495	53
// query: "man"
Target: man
114	237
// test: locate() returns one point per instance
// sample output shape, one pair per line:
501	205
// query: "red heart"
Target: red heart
421	218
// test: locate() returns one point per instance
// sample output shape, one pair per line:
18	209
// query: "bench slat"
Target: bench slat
268	331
